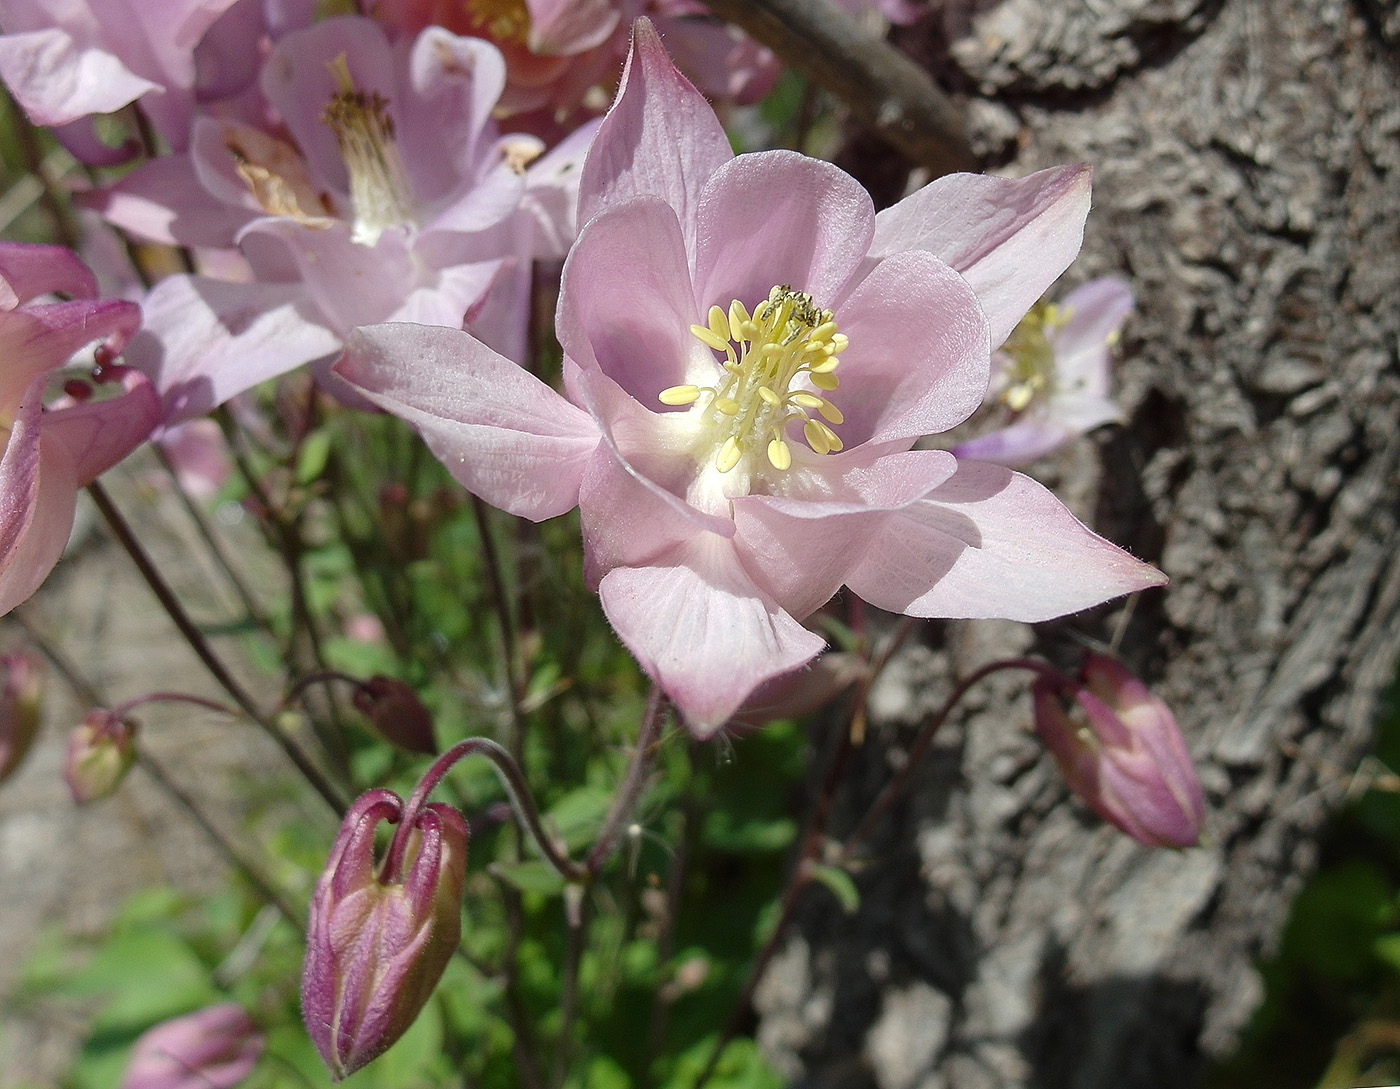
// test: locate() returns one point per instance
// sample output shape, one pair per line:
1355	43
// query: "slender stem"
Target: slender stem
230	853
517	790
509	653
63	221
801	876
195	638
625	800
577	915
171	697
919	749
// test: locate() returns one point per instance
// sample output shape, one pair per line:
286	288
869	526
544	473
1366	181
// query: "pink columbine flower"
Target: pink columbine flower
557	51
750	354
382	192
1119	748
212	1048
65	60
1052	374
52	451
377	942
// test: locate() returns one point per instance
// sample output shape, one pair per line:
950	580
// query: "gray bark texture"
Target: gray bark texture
1247	182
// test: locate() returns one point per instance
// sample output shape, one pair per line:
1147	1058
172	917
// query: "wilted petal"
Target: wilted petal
501	432
703	630
1009	238
990	543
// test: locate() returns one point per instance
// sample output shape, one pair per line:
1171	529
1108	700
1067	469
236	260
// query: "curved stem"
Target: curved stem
919	749
625	800
195	638
517	790
509	652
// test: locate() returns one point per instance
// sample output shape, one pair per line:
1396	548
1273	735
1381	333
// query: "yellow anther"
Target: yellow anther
815	435
825	366
719	326
833	440
709	338
1019	396
824	331
840	342
779	456
678	395
738	317
727	405
831	412
729	455
825	380
806	400
768	395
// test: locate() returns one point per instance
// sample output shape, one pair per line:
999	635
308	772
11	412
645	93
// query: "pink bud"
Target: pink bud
100	751
21	697
214	1048
1120	749
395	710
377	943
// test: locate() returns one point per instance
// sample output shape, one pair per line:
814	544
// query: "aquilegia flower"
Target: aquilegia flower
52	451
1052	374
213	1048
383	193
750	354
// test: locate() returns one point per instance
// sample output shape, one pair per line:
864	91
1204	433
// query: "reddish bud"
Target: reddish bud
377	943
100	751
21	700
213	1048
1120	749
395	710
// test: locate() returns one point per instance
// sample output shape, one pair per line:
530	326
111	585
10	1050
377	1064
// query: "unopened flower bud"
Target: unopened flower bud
395	710
100	751
213	1048
377	943
21	698
1120	750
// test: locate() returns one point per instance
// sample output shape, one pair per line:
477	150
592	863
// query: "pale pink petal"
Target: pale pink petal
1009	238
38	495
1093	315
918	361
703	630
777	217
990	543
800	547
162	200
28	269
1030	437
626	302
660	139
500	431
206	340
95	435
570	26
349	283
56	79
551	193
455	84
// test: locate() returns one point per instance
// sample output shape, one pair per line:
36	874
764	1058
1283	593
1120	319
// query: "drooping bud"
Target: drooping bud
213	1048
100	752
21	702
1120	749
377	943
396	712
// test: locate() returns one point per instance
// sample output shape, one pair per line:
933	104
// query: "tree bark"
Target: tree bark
1247	182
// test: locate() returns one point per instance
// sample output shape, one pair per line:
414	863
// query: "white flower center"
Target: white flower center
379	187
786	340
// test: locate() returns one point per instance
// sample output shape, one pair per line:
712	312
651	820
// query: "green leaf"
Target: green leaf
841	886
313	456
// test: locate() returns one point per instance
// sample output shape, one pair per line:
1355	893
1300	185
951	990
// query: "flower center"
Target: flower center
379	187
784	340
1031	373
505	21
